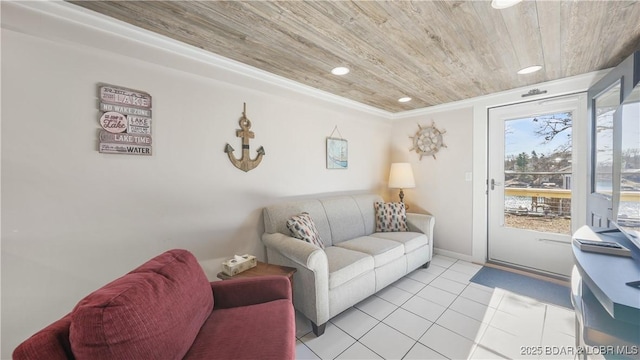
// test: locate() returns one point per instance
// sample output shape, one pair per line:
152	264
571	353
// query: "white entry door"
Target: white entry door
532	183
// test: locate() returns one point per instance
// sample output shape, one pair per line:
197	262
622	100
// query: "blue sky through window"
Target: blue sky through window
520	136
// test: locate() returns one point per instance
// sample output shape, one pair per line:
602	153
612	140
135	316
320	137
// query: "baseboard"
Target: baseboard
454	255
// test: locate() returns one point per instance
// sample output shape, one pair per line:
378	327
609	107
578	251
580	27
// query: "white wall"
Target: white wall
441	188
74	219
460	206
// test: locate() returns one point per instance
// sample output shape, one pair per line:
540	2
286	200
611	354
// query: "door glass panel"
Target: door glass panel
628	215
605	106
537	173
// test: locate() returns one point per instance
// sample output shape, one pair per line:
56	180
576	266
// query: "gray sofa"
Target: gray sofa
356	262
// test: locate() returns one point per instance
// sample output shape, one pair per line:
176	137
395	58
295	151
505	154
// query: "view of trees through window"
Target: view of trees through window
537	169
628	212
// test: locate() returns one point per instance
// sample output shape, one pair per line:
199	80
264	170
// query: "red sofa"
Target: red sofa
167	309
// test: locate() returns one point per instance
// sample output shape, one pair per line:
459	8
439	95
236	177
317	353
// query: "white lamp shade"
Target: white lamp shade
401	176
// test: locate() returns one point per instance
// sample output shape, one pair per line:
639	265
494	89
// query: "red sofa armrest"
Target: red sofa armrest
52	343
250	291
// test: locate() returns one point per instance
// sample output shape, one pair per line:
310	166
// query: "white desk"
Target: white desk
607	310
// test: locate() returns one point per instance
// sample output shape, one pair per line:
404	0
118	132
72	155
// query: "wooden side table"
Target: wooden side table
263	269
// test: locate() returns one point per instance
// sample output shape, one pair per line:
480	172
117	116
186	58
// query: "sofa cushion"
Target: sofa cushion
383	251
345	218
153	312
411	240
261	331
302	227
390	217
276	216
364	202
345	264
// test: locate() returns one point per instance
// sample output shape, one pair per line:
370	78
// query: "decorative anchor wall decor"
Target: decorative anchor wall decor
245	163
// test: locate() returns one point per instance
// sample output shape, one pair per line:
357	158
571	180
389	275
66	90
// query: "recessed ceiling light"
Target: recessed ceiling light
503	4
340	70
529	70
404	99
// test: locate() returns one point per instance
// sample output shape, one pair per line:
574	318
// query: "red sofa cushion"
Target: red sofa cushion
263	331
153	312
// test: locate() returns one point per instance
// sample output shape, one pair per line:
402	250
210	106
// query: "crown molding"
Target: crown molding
559	87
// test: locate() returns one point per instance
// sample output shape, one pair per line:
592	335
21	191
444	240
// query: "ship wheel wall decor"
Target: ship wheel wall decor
428	140
245	163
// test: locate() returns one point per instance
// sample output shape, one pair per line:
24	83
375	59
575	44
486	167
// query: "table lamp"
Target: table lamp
401	177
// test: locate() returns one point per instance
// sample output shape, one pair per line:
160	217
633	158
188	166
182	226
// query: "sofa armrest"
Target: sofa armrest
298	251
311	281
250	291
52	342
422	223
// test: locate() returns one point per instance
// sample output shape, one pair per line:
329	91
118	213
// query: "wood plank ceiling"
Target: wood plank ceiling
432	51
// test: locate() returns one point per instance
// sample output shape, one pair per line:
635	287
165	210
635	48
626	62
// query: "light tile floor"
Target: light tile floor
436	313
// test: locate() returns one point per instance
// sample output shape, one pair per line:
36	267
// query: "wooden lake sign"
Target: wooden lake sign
125	120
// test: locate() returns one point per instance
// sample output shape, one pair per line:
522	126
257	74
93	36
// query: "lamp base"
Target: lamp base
406	207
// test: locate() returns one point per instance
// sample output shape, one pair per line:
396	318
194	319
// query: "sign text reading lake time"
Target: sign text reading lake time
107	137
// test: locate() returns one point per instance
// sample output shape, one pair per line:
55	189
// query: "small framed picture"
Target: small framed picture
337	153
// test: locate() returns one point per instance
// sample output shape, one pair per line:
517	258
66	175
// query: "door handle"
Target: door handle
494	183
